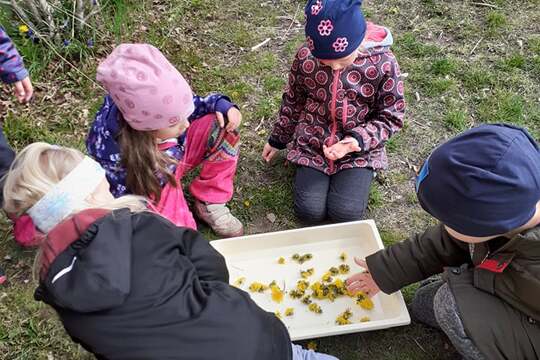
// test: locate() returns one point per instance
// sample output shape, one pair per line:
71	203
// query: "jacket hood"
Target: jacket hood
82	269
377	36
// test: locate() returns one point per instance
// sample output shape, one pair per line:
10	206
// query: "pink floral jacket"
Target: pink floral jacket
322	106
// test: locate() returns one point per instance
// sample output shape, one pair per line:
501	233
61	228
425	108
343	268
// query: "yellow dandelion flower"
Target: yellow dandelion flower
344	269
340	320
240	281
314	307
23	29
281	260
257	287
289	311
364	302
277	294
302	285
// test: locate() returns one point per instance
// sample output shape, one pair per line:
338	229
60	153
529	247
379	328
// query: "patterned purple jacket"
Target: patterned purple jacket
313	111
11	64
102	141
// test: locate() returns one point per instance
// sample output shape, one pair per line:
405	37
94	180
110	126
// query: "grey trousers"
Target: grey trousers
435	305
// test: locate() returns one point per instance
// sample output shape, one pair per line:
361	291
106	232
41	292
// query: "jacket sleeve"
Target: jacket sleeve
209	105
292	104
103	147
7	155
209	263
416	259
387	117
11	64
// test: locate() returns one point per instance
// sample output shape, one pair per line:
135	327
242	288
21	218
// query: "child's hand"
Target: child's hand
362	281
269	152
23	90
233	115
342	148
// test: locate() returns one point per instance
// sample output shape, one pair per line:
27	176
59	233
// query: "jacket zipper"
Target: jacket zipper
333	114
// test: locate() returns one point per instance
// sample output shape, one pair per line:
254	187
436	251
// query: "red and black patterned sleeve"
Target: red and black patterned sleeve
292	104
389	111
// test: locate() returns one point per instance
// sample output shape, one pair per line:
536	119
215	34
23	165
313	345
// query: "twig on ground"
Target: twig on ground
485	4
260	124
292	21
475	46
50	20
420	346
80	15
419	124
259	45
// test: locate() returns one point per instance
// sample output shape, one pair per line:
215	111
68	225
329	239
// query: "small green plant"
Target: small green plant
456	120
502	107
409	45
516	61
495	20
476	78
437	87
390	237
376	198
534	44
443	67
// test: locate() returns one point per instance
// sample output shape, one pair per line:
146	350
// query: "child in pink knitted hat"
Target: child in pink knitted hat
151	130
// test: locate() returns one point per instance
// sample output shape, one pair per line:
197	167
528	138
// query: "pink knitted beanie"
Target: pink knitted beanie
148	90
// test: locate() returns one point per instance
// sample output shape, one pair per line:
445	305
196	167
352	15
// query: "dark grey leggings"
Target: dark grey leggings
435	305
340	197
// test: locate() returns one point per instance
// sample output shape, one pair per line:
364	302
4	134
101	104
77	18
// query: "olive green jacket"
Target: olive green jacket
499	289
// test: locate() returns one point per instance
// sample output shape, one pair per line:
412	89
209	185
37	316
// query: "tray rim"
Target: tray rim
403	319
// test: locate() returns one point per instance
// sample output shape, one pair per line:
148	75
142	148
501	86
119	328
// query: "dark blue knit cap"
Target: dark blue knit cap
483	182
334	28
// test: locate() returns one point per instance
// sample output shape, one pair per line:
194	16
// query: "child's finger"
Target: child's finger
19	91
233	124
220	119
361	263
28	89
354	279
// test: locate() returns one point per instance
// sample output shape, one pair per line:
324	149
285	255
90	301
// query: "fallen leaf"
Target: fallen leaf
271	217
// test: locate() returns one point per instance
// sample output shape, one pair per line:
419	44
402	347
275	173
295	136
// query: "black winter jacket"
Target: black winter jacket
134	286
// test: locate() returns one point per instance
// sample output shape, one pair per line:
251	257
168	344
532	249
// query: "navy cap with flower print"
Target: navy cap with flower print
334	28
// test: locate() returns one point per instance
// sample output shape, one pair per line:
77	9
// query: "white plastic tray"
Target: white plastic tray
255	258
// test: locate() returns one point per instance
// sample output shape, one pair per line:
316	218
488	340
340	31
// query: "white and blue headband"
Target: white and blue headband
67	196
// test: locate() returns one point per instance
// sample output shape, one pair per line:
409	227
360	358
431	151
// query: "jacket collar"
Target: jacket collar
66	233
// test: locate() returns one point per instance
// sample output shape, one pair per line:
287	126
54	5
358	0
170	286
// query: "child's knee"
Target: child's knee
446	312
343	209
422	304
310	208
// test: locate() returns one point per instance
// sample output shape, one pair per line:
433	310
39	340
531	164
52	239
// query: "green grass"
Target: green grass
376	198
443	67
210	42
503	106
457	119
476	78
496	20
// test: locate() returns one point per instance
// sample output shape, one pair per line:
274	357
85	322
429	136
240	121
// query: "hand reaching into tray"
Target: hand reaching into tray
362	281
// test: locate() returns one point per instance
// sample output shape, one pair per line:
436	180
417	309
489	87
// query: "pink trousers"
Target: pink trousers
216	150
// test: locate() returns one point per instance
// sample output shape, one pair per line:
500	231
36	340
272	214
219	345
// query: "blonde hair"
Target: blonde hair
38	168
